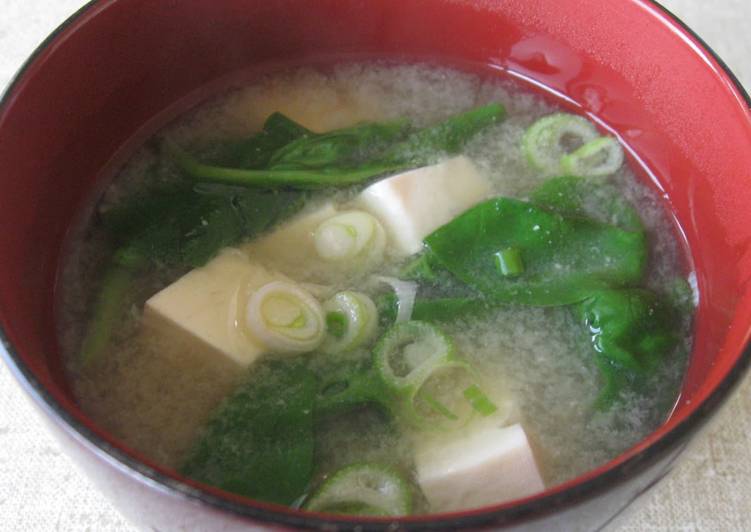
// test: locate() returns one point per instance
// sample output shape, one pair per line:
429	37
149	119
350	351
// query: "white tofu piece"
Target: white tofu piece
202	307
333	104
290	248
489	466
413	204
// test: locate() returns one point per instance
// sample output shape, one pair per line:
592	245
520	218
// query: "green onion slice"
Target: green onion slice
363	489
599	157
480	402
349	235
286	318
434	387
552	137
509	262
409	352
351	319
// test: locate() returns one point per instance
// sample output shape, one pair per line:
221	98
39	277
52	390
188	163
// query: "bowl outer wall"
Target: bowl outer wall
59	95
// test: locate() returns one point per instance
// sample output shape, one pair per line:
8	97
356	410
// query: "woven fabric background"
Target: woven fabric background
41	490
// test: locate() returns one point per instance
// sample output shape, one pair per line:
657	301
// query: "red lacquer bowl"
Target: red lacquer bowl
118	69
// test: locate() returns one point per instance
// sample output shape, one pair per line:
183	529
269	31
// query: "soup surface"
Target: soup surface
545	368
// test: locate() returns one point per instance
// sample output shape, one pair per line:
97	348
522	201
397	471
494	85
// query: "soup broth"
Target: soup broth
534	363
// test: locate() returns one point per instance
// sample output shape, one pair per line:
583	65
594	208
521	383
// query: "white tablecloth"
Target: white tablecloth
40	489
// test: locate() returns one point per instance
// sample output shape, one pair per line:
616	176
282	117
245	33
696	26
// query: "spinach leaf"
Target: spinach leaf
237	214
570	196
631	328
182	225
435	309
631	331
272	178
595	199
260	443
109	305
345	386
345	148
278	131
449	308
565	258
256	151
345	157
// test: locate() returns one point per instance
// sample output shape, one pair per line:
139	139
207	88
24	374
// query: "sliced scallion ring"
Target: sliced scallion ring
552	137
408	352
349	235
509	262
285	318
599	157
479	402
351	319
363	489
434	387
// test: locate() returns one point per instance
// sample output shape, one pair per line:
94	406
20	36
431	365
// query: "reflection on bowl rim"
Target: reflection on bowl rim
569	493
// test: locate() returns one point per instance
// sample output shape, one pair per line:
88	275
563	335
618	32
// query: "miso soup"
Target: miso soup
377	289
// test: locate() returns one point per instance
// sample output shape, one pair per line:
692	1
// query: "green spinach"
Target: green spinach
346	156
347	148
590	198
566	258
631	332
260	443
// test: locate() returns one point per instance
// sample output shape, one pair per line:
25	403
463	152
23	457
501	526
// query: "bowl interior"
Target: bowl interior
95	90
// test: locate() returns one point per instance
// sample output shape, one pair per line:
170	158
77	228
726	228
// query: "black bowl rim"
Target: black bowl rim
532	509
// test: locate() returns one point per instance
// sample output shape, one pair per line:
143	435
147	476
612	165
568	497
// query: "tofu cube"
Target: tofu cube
290	248
336	104
490	466
413	204
202	307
